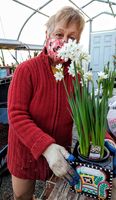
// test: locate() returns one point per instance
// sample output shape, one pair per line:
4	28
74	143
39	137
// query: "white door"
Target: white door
103	47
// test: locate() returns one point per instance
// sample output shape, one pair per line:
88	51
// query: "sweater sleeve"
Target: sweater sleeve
19	98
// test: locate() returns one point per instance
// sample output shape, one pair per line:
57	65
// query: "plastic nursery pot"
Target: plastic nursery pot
87	159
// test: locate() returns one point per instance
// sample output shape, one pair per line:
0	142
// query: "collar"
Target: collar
47	62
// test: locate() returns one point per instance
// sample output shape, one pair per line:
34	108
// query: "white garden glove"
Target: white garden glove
55	156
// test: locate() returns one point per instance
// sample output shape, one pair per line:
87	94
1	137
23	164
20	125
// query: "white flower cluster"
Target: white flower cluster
79	58
102	75
59	74
73	51
88	76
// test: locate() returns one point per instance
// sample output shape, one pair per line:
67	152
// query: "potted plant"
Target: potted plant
109	83
89	107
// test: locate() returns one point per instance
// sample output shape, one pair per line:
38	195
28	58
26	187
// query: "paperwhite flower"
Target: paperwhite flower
85	56
71	70
73	51
102	75
84	61
84	66
59	76
70	50
59	66
88	76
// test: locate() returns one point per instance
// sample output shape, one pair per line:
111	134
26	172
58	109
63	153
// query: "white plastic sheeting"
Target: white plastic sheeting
14	14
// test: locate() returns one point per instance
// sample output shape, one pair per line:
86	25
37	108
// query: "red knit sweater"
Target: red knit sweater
39	115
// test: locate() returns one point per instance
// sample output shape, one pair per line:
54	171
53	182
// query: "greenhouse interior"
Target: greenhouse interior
23	27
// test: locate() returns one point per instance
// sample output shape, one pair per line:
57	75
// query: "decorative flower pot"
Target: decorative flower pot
95	175
92	160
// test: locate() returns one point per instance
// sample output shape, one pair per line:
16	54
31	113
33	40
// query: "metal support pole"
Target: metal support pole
35	11
79	9
87	4
103	1
30	8
110	5
90	31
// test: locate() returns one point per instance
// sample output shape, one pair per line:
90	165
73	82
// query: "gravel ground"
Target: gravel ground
6	192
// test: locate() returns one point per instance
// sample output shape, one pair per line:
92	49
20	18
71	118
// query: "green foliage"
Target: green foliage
89	111
109	82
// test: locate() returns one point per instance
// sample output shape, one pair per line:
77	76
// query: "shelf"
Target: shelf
5	80
17	45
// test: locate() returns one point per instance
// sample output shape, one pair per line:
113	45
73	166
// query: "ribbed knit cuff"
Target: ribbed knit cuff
41	145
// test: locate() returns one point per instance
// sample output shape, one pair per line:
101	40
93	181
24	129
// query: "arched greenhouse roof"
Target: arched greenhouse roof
22	23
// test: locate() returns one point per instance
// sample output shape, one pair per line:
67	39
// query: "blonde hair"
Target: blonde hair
67	15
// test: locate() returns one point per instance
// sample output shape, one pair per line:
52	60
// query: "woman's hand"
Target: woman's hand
56	156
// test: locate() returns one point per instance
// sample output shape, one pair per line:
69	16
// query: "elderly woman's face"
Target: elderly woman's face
58	37
66	32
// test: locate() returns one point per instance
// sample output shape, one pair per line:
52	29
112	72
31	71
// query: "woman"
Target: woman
40	125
